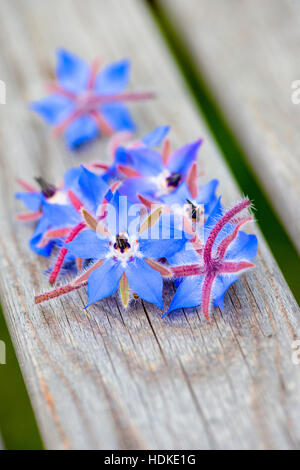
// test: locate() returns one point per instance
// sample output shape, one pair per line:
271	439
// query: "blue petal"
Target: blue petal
72	72
161	248
121	156
181	160
31	200
59	215
243	248
71	178
118	116
145	281
104	281
188	294
54	108
113	78
36	238
154	138
121	215
146	161
93	188
179	196
187	255
220	286
131	187
88	245
81	131
207	195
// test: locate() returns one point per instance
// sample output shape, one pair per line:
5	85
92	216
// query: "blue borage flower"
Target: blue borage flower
124	252
85	102
214	264
154	175
61	210
123	141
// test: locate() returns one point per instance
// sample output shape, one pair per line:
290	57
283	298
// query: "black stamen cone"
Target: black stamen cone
48	189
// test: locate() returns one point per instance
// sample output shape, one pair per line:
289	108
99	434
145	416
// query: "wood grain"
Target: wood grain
248	51
108	378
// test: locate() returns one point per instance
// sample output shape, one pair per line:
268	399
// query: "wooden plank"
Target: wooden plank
106	378
248	51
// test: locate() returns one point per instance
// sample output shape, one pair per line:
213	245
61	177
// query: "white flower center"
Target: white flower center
166	182
59	197
123	248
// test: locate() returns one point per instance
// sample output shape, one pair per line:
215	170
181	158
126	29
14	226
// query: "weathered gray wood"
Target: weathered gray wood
114	379
248	50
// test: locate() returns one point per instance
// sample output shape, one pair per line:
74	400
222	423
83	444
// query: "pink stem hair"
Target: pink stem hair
62	254
219	225
57	292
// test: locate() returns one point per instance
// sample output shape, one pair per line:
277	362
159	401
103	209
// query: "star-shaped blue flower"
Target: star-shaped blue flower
155	175
124	254
55	211
87	102
209	270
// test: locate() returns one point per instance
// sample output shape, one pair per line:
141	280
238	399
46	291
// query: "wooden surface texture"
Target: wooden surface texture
105	378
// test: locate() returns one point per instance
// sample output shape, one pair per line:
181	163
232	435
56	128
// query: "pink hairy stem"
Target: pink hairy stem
187	270
94	72
56	88
29	216
57	292
134	96
100	165
104	127
62	254
84	277
59	233
128	172
224	245
219	225
206	294
26	185
234	267
75	201
146	202
60	128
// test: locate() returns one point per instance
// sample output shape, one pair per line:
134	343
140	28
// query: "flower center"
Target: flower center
51	192
87	101
167	182
173	180
122	243
124	248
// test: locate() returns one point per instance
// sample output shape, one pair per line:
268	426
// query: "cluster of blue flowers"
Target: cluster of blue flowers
143	218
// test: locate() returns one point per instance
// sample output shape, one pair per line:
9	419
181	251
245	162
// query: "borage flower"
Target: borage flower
124	253
123	141
85	102
154	175
63	211
51	197
225	254
194	202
